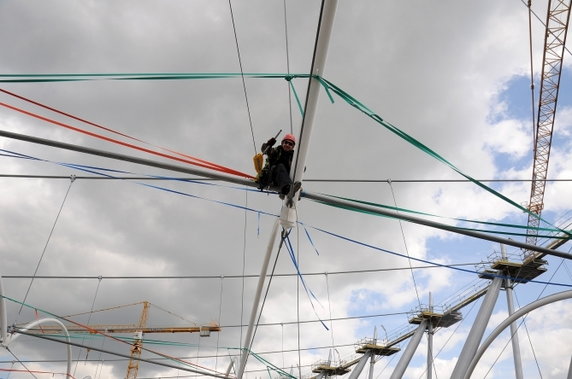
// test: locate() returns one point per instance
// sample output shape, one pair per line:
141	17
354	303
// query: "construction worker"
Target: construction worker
276	171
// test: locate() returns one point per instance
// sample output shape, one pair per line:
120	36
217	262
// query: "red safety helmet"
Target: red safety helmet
289	137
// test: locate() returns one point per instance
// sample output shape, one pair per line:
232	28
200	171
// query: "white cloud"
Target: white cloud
435	71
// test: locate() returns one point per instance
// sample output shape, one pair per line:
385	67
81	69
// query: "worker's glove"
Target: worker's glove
271	142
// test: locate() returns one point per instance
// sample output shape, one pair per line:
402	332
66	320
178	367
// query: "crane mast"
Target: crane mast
133	365
558	16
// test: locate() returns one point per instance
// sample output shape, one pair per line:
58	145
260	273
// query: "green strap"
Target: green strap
398	209
361	107
327	85
396	217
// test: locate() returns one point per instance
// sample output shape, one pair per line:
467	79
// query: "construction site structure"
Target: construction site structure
503	271
557	19
138	330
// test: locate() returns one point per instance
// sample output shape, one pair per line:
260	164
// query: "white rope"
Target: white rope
405	245
72	178
87	323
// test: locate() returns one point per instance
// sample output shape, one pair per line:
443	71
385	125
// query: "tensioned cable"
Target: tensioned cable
288	65
146	162
101	127
249	344
270	352
418	144
298	278
338	236
424	260
393	356
329	86
170	277
446	342
122	355
406	248
88	322
355	208
20	362
308	291
33	176
567	270
170	313
91	169
532	100
46	246
294	170
99	366
330	308
104	334
184	159
268	324
523	323
542	22
243	290
219	318
242	75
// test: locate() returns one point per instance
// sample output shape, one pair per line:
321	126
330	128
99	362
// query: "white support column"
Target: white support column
371	366
477	331
514	333
3	317
513	327
509	320
430	342
409	351
360	365
255	305
327	13
372	359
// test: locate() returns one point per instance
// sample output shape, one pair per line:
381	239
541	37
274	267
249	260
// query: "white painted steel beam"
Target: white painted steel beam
509	320
327	13
477	330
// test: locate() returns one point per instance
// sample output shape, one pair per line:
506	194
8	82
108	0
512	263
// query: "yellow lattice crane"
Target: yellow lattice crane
133	365
140	329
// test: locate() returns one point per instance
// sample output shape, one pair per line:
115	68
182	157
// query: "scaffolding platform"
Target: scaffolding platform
437	320
519	272
370	344
327	369
378	349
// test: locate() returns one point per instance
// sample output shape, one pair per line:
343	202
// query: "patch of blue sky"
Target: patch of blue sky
517	100
370	301
365	300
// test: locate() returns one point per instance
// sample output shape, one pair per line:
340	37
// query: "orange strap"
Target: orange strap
187	158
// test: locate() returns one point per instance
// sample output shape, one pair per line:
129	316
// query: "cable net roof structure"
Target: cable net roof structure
412	121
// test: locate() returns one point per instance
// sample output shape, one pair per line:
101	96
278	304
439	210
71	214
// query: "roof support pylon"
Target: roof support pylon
518	374
478	330
256	304
361	364
509	320
3	317
409	351
327	13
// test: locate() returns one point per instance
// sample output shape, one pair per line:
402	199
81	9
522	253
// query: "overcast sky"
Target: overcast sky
453	75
